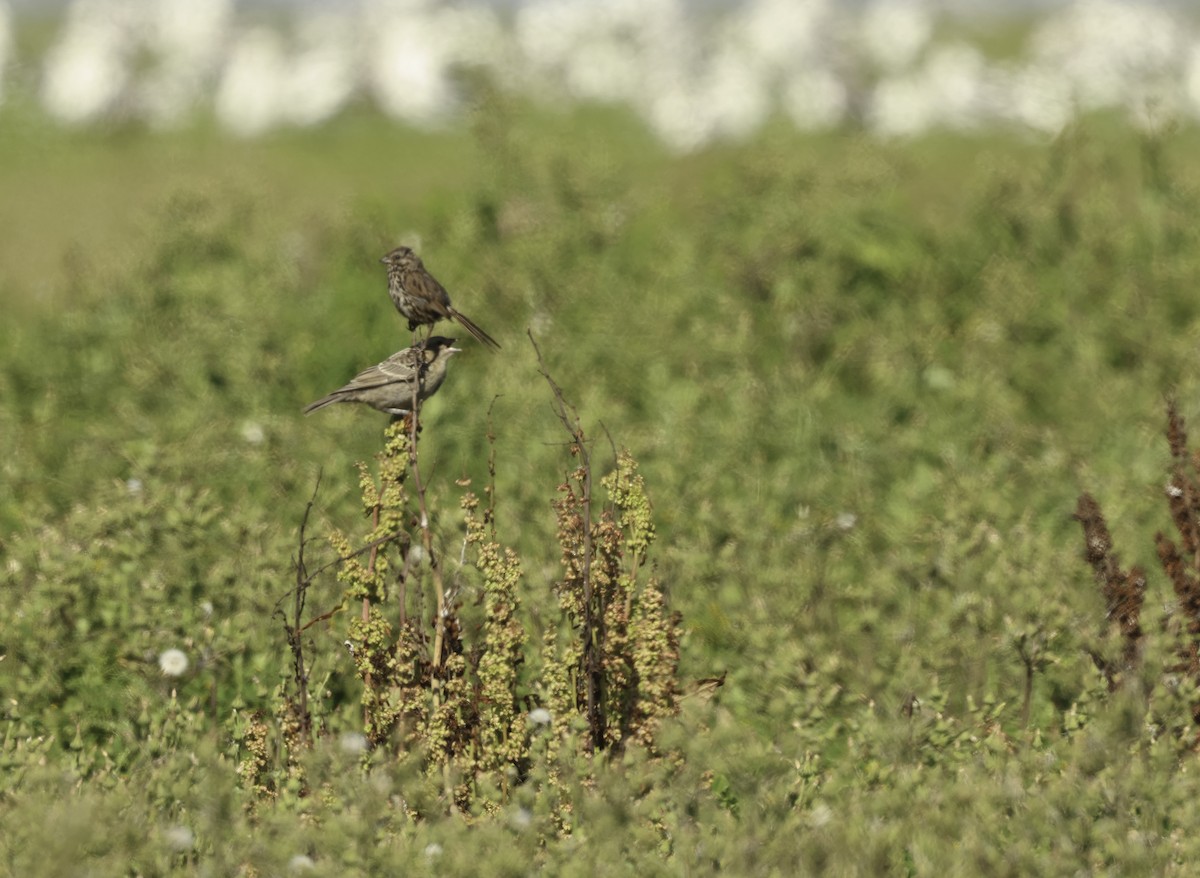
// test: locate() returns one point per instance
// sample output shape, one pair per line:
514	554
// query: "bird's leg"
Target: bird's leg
418	342
418	383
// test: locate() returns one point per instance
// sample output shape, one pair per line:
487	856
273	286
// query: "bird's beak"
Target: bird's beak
383	259
454	350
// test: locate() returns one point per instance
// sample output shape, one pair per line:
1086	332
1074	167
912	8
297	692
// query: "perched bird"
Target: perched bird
419	297
390	386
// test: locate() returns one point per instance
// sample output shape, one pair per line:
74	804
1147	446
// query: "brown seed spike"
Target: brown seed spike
1180	498
1185	583
1183	491
1127	601
1172	563
1176	432
1096	538
1123	592
1128	613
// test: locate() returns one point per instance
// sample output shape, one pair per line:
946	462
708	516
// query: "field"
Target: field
865	383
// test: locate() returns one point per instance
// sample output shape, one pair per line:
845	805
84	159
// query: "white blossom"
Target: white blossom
249	97
815	99
321	76
179	838
253	433
894	32
188	39
695	75
173	662
87	69
1107	51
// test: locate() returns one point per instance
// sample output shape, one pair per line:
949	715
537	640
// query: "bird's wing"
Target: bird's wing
376	376
399	367
438	294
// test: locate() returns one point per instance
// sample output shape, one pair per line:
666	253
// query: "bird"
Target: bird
419	297
390	386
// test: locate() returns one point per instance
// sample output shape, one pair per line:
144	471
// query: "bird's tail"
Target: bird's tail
322	402
473	329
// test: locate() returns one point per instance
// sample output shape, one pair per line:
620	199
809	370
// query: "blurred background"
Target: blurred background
694	72
691	74
872	291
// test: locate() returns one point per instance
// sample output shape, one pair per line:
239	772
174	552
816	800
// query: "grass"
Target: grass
865	384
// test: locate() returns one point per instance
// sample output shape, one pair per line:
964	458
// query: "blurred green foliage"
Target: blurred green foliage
864	382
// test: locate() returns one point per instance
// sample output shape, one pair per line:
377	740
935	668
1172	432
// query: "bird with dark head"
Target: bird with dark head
419	297
405	378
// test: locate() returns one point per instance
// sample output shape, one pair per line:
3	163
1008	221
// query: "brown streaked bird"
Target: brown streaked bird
389	387
419	297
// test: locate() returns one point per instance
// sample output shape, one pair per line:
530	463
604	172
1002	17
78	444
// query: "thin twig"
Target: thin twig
489	515
309	578
569	417
611	444
293	629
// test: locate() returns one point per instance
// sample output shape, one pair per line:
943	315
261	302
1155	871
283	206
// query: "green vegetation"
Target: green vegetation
864	384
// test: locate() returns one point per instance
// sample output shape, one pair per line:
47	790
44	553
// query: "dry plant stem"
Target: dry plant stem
439	635
294	629
591	655
402	592
439	626
298	647
489	516
366	602
1027	659
1027	699
591	651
